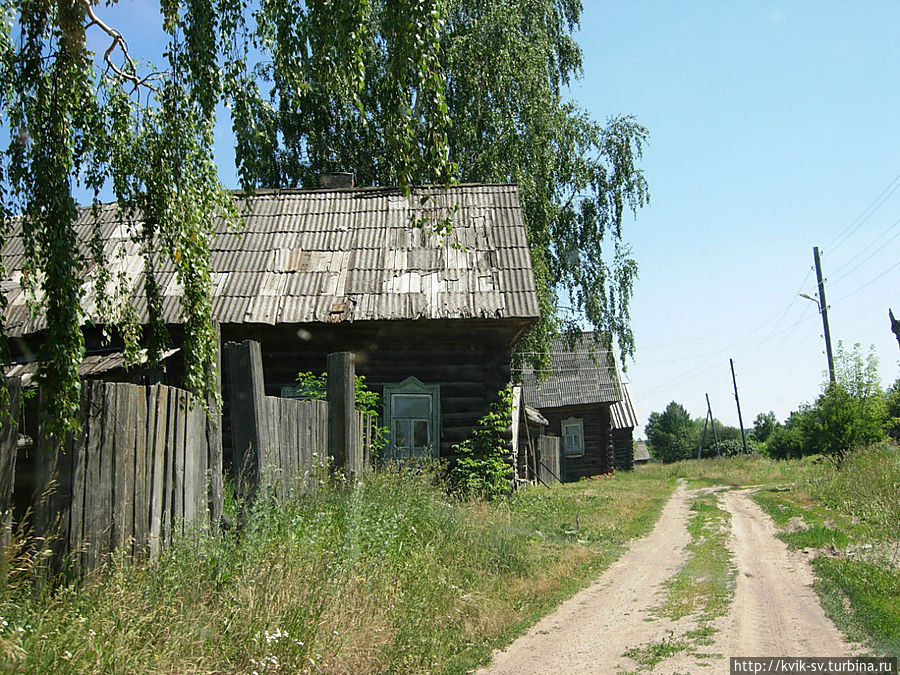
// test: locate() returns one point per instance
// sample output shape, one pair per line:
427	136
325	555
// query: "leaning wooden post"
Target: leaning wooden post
249	430
342	444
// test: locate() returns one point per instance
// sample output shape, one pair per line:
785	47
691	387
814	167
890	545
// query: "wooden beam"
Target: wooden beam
249	428
342	445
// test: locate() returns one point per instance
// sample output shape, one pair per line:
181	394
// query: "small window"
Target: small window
573	436
412	411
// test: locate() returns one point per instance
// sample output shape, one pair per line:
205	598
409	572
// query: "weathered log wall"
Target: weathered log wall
623	449
469	360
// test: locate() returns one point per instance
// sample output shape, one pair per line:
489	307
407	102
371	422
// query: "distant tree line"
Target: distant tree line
851	412
672	436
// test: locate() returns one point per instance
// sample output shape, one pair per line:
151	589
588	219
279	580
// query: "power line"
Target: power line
866	213
873	254
869	283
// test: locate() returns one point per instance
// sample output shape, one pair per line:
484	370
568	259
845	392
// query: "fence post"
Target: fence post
249	428
342	445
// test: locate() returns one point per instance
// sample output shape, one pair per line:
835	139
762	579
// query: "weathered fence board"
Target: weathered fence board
548	459
9	432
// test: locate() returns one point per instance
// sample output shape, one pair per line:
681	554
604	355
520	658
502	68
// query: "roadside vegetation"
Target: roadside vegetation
842	513
388	574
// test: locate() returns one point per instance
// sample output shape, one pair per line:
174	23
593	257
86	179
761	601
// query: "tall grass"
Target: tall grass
865	486
739	470
387	574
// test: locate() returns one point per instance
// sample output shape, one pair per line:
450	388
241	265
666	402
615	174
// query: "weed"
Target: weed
705	584
647	657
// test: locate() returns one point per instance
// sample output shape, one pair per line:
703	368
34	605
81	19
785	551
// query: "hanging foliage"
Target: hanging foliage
85	121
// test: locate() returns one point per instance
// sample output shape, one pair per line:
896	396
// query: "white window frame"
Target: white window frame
572	427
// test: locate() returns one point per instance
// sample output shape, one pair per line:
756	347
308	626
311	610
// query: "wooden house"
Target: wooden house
432	319
576	397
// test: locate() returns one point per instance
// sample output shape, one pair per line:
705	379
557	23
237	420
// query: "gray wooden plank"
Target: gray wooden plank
103	513
79	470
141	492
195	455
158	414
168	514
92	528
123	462
203	478
178	462
216	488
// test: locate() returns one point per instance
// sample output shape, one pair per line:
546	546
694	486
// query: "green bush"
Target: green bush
480	469
787	441
672	435
851	413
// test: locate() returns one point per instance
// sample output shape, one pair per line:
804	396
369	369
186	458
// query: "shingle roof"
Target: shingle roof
583	376
622	413
92	364
340	255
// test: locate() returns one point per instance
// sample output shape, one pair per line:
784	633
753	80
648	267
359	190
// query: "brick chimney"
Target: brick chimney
336	179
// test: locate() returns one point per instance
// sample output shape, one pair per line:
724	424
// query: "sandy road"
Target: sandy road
775	612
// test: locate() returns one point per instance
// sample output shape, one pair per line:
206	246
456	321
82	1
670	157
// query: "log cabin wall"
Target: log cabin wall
468	360
597	457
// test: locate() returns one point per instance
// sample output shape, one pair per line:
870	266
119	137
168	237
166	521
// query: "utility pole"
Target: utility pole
895	325
713	421
823	308
708	420
738	401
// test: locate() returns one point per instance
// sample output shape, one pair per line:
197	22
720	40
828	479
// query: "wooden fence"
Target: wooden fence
147	464
297	441
548	460
134	478
278	443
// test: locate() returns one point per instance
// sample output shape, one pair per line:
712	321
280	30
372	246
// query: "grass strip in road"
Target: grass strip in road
704	586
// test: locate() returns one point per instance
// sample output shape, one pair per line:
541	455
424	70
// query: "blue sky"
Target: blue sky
773	129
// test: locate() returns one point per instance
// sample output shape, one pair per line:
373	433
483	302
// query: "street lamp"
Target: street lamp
823	312
815	300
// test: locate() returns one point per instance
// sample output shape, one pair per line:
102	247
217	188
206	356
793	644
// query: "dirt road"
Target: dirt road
775	612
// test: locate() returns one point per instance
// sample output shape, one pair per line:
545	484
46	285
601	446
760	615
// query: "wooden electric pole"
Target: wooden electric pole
713	420
738	401
823	309
895	325
708	420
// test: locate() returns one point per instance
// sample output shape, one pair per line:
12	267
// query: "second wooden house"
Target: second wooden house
576	397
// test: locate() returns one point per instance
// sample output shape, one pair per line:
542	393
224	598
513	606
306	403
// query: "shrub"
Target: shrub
480	469
671	435
786	442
